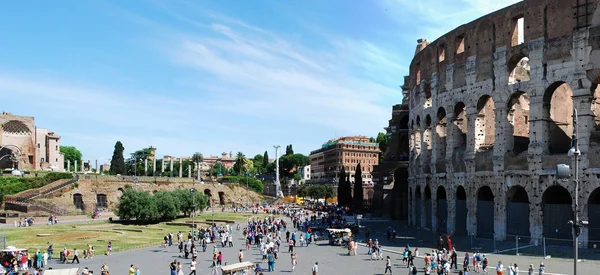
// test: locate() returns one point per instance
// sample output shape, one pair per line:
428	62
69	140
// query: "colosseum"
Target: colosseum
487	117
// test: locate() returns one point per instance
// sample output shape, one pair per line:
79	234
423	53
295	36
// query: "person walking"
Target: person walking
542	269
315	269
131	270
193	266
173	267
294	261
500	268
240	256
388	265
75	256
179	269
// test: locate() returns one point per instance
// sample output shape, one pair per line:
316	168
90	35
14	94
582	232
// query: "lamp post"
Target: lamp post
192	191
563	173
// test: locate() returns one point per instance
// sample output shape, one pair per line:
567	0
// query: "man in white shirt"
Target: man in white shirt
315	269
500	268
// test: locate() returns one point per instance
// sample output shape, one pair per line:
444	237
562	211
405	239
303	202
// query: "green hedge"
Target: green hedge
14	185
253	184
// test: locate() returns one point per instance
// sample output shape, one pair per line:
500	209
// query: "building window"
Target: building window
42	160
38	146
442	53
460	44
518	35
56	148
56	160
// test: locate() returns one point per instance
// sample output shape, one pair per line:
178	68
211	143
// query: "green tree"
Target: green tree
71	154
258	162
217	168
358	189
289	150
302	192
317	191
117	163
382	140
238	166
166	205
187	200
288	164
197	158
137	205
297	176
265	161
342	199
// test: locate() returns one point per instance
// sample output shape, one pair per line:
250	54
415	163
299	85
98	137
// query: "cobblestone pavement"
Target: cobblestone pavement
332	259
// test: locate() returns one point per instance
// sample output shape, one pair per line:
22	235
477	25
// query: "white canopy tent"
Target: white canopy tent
68	271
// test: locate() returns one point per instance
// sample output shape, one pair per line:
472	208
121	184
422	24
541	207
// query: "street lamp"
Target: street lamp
562	173
192	191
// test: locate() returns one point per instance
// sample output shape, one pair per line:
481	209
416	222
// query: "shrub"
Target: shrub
144	207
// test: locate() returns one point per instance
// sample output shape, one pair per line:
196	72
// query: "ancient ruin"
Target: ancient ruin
490	117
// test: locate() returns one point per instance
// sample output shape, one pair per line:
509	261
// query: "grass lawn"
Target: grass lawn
98	234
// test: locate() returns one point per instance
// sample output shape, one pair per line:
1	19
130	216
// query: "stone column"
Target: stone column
180	167
189	171
69	166
421	208
171	166
75	166
82	167
451	205
471	140
145	167
536	225
471	208
500	211
434	206
504	136
162	167
451	133
154	166
97	166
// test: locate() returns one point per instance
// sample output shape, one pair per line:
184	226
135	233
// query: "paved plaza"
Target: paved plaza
332	259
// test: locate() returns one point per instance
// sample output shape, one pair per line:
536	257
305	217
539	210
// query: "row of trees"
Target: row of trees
143	206
345	197
316	191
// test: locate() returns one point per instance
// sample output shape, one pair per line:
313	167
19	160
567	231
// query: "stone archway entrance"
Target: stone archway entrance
418	206
101	201
460	223
485	212
428	207
557	211
222	198
517	213
442	210
78	201
594	218
209	195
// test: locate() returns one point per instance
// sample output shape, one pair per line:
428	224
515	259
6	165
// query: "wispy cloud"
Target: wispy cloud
242	87
432	18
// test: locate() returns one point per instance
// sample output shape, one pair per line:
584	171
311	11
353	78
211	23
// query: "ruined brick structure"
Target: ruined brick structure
491	106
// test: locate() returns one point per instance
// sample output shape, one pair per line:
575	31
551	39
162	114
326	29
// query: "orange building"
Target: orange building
347	152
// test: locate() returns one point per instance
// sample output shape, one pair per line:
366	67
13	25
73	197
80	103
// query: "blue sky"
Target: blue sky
214	76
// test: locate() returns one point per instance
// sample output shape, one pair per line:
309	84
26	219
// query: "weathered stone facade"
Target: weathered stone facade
34	148
491	106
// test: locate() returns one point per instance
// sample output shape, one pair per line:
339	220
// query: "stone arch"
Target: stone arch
78	201
418	121
16	127
517	212
461	212
427	143
400	194
208	193
418	206
558	111
518	68
556	211
221	198
485	128
594	218
485	212
518	117
442	209
101	201
459	136
440	132
428	207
